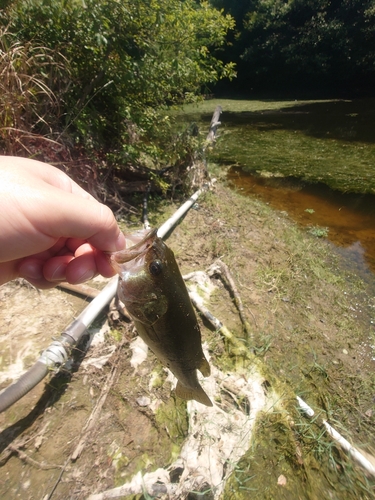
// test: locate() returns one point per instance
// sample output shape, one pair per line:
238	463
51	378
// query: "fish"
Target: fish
155	296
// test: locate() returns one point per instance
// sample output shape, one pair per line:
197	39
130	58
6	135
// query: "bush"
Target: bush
125	61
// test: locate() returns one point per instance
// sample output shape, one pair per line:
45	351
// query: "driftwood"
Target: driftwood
199	287
88	431
219	267
211	137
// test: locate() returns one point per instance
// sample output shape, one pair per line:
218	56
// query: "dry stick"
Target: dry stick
146	223
93	418
86	433
85	290
220	267
211	137
58	480
25	458
241	350
139	485
8	451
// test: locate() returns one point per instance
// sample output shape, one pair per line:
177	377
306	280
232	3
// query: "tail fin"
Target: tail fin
197	394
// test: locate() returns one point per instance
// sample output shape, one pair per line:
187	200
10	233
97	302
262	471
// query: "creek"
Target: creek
346	219
314	160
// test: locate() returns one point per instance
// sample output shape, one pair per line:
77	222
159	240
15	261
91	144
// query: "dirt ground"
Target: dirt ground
312	332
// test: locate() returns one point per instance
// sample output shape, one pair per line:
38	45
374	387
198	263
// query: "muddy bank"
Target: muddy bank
312	331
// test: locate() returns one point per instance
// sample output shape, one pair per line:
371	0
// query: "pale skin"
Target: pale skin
51	230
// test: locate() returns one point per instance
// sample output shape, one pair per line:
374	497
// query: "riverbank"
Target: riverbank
312	332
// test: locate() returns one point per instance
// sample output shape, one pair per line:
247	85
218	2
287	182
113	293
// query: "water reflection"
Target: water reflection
350	217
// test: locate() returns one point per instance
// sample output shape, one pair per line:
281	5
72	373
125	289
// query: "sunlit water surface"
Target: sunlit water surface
311	159
349	218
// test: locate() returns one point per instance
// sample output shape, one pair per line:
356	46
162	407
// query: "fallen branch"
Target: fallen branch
239	348
25	458
211	137
83	289
219	267
87	433
202	286
8	451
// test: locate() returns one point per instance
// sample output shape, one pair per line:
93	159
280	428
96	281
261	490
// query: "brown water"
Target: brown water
350	218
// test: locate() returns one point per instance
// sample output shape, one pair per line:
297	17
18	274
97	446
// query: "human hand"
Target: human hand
51	230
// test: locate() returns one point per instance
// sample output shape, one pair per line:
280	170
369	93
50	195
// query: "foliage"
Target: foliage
126	59
296	43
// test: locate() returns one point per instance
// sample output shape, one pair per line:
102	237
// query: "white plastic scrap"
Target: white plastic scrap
218	437
139	349
101	360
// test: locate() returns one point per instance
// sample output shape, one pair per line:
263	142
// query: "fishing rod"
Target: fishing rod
58	352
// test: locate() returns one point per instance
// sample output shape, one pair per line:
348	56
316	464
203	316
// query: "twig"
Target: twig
87	431
25	458
221	268
240	348
85	290
58	480
93	418
211	137
8	451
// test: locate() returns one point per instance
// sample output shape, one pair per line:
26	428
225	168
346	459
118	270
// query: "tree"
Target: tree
315	44
125	58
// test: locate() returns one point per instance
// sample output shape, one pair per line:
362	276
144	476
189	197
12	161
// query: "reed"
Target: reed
29	107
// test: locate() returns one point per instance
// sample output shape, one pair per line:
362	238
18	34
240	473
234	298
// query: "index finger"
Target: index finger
82	218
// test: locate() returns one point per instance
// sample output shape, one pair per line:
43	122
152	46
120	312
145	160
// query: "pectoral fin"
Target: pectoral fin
197	394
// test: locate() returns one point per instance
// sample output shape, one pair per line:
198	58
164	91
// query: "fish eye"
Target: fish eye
155	267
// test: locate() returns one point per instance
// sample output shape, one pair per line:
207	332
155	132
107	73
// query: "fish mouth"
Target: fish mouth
140	240
133	256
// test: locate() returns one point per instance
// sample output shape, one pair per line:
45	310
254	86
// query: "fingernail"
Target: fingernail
31	270
59	273
88	275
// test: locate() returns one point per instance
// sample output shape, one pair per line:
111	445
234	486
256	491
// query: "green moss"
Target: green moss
158	377
172	417
316	141
116	334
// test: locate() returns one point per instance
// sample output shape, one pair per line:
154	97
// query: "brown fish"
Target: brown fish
155	295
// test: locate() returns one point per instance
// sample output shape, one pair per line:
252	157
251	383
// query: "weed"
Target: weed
319	232
27	103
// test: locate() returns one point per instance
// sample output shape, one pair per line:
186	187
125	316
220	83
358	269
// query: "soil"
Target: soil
312	332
